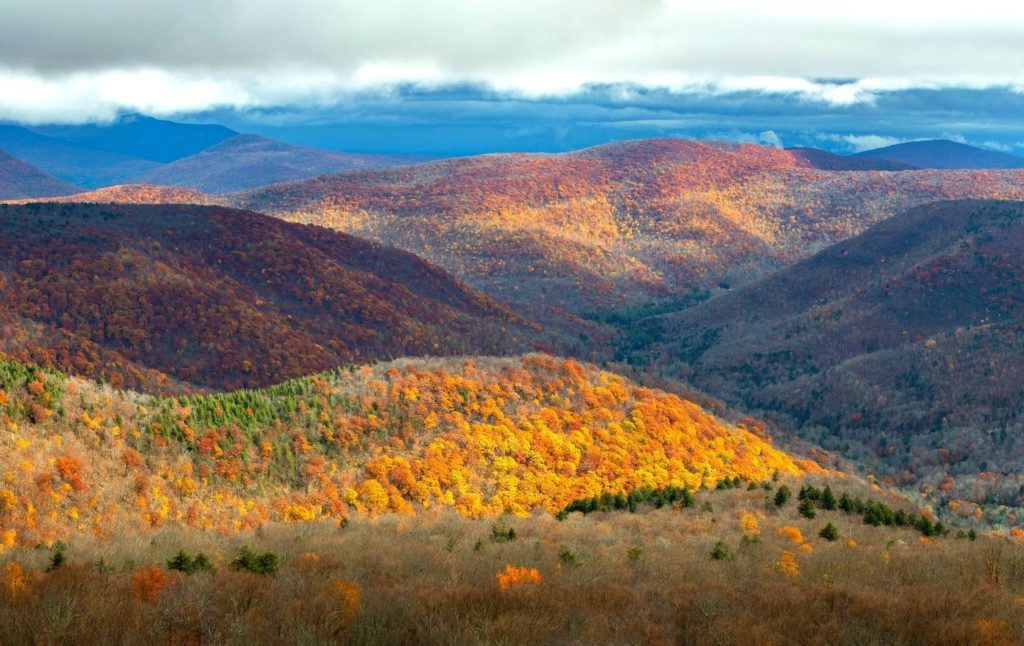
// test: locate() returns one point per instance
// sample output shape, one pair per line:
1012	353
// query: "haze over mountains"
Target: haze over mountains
943	154
248	161
138	149
21	180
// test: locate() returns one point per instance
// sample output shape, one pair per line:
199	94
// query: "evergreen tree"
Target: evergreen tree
829	533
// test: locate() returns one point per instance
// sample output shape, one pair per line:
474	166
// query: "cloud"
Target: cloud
859	143
173	55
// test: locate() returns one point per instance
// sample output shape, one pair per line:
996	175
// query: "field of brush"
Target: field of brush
730	568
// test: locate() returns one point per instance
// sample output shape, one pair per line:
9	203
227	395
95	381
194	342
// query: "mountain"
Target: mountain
178	298
21	180
619	226
482	436
941	153
249	161
142	137
824	160
85	167
902	347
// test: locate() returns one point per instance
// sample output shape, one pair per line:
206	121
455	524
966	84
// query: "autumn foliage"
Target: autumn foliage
188	298
482	437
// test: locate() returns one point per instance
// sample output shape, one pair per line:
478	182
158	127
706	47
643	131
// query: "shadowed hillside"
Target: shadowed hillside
217	298
901	347
20	180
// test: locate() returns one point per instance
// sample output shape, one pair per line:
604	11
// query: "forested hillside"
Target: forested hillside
172	298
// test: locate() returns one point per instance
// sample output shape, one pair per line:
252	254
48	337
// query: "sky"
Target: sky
441	77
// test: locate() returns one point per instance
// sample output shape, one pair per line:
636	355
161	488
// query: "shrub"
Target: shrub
829	533
514	576
148	583
569	557
806	508
261	564
721	552
783	495
59	557
502	533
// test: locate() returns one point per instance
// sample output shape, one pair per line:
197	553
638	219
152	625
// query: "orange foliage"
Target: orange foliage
514	576
148	583
793	534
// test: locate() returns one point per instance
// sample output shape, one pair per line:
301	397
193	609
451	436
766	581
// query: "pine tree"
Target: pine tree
806	508
829	533
828	499
782	496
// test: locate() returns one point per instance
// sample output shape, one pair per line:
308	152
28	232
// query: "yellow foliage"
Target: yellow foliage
787	565
748	523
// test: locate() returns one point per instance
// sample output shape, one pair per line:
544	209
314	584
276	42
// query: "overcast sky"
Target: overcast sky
422	75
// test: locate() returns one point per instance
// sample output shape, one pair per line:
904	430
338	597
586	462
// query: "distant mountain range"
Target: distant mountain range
135	135
137	149
945	154
21	180
248	161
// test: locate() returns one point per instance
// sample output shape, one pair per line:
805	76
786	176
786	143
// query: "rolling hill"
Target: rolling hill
617	226
249	161
901	347
172	298
134	194
21	180
942	153
482	436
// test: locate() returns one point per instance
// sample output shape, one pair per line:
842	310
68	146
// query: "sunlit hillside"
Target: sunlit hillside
481	436
622	224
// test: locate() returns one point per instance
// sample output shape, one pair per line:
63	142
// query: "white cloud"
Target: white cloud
173	55
858	143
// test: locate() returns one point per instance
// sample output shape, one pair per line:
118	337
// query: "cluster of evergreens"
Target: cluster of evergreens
656	498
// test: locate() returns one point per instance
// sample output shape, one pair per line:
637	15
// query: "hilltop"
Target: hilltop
179	297
481	436
900	347
248	161
617	226
21	180
942	153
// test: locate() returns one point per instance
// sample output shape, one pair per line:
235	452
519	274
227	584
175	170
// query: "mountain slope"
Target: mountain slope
903	347
941	153
217	298
249	161
135	135
616	226
482	436
136	194
824	160
78	165
20	180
